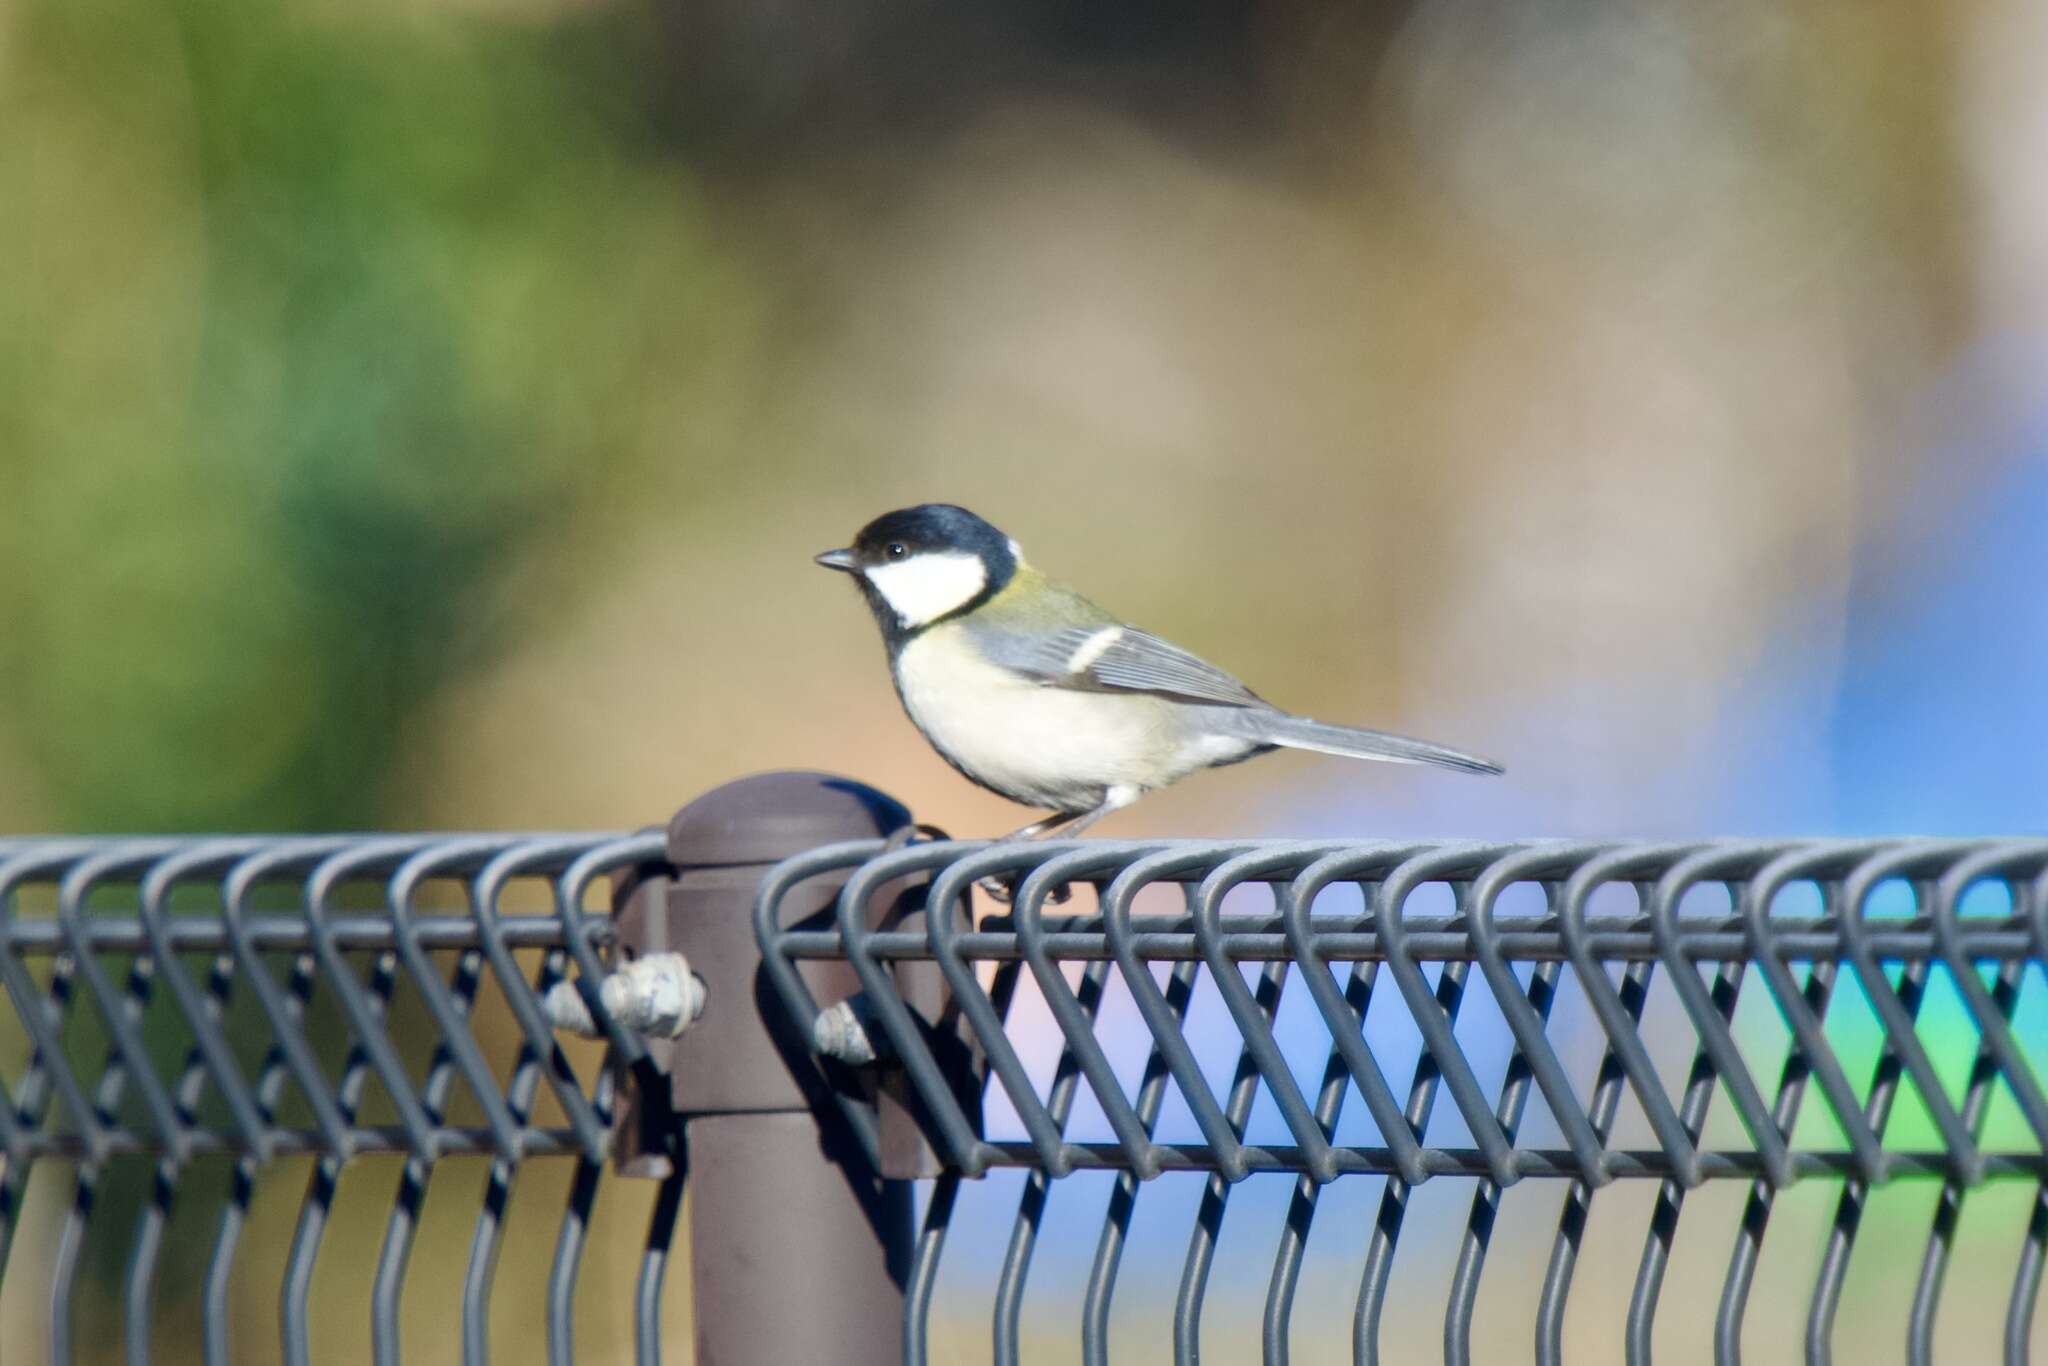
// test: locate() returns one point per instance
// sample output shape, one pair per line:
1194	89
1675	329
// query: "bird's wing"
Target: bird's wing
1118	659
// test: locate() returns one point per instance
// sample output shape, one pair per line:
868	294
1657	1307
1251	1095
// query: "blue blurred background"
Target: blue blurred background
422	412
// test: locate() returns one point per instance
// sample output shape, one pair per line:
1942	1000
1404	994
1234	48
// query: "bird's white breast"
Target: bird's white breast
1043	746
1039	745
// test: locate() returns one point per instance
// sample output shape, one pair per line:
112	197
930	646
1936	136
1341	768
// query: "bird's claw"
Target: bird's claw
1003	894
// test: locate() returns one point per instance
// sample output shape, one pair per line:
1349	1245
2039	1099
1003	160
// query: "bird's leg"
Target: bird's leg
1038	829
1066	824
1081	820
1041	827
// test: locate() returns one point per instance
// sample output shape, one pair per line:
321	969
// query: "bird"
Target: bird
1030	690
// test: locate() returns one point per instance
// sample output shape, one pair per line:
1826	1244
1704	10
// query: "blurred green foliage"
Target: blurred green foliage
310	320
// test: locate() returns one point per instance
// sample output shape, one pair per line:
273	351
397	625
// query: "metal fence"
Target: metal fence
146	944
1166	1056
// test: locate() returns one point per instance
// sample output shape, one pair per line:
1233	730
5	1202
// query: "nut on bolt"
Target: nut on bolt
656	995
846	1031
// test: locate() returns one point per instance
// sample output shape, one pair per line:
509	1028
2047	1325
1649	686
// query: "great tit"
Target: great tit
1040	696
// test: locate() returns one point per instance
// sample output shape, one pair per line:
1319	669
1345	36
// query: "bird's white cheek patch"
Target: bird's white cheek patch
924	588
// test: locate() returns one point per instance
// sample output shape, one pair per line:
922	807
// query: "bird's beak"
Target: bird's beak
841	560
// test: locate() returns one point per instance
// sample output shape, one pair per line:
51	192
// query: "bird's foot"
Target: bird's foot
1003	893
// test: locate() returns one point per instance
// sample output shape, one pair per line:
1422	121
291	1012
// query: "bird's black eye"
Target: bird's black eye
896	550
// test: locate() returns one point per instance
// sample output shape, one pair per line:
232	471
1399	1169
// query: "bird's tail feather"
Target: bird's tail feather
1298	732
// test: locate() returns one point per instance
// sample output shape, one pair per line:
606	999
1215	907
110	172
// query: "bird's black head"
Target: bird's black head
923	564
931	528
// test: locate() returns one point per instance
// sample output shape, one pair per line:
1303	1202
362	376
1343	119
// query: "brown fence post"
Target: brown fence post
797	1247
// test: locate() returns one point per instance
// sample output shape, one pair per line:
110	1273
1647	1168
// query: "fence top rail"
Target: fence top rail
199	893
1900	899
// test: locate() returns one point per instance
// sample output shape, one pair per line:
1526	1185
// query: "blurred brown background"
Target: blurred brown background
422	412
425	412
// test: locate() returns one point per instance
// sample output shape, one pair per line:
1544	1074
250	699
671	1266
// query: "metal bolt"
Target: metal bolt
843	1031
656	995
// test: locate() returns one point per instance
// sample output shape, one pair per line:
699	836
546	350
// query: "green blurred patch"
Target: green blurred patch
314	324
315	327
